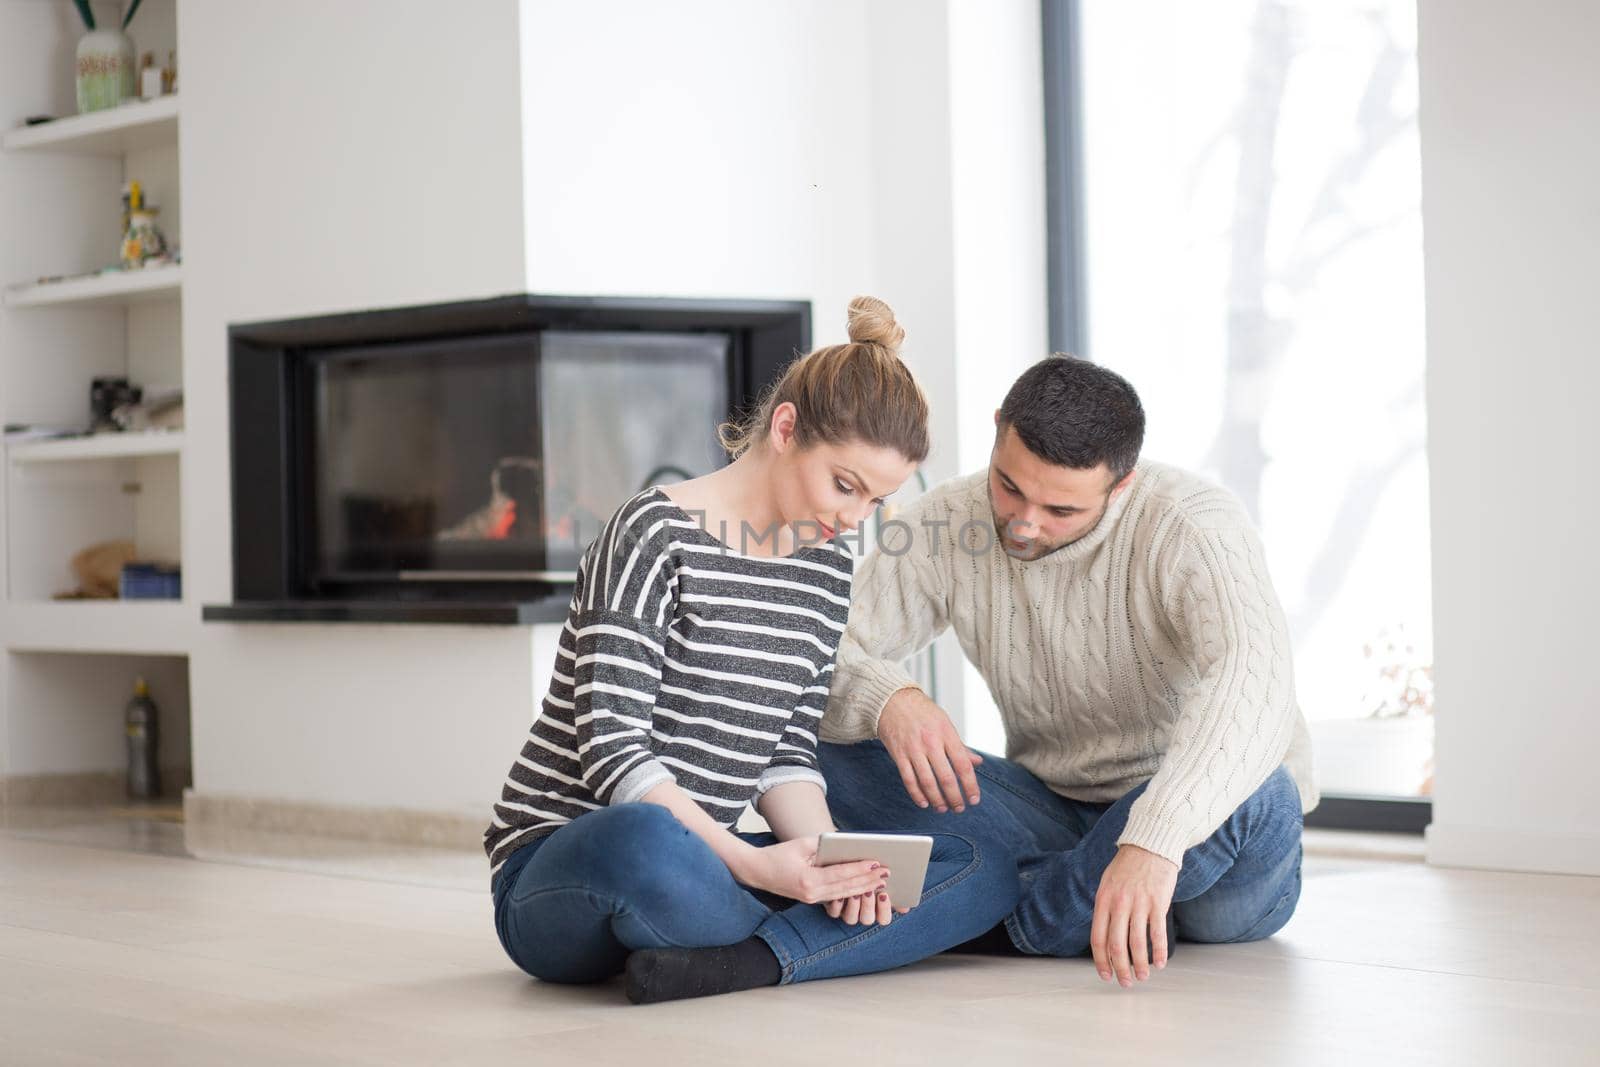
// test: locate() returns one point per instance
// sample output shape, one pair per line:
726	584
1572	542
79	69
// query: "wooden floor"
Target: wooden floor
118	957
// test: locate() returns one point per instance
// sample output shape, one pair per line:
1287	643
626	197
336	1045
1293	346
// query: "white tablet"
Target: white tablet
906	856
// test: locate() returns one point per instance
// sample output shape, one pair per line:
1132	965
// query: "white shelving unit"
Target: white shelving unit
116	132
98	446
112	288
65	494
67	664
146	627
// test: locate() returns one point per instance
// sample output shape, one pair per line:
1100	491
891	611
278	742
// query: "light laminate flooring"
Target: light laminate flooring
117	949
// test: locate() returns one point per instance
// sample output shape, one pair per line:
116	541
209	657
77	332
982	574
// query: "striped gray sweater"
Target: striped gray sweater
681	660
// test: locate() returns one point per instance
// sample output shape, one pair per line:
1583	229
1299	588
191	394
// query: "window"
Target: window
1236	228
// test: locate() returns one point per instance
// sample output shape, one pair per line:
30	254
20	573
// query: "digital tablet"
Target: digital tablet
906	856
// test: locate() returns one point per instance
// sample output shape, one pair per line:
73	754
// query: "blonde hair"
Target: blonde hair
858	391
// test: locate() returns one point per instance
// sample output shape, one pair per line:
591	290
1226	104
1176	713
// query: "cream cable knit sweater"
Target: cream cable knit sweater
1153	648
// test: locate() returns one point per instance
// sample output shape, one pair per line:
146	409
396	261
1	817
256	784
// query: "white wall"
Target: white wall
794	149
915	231
998	250
810	150
337	157
998	200
709	148
802	149
1510	166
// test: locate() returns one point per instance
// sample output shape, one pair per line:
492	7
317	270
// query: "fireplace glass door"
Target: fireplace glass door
500	458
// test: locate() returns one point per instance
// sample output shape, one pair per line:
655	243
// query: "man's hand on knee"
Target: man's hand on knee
935	765
1129	932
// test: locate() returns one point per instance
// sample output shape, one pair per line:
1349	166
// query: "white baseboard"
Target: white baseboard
1490	849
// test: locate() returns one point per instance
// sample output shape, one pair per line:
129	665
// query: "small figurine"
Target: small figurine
142	240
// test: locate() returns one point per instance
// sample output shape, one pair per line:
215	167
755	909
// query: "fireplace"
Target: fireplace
450	463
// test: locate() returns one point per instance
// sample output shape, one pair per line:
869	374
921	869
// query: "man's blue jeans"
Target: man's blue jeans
572	905
1240	884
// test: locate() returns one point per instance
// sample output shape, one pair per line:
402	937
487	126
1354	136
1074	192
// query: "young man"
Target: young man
1121	613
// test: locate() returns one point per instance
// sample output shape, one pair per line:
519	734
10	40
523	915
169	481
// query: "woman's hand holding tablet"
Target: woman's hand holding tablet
905	856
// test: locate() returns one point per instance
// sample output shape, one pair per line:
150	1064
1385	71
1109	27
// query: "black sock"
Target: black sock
992	942
657	974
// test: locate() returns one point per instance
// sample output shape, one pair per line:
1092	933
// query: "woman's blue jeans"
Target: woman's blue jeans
572	905
1240	884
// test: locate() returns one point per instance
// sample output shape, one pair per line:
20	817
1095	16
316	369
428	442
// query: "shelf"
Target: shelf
152	627
112	132
99	446
115	287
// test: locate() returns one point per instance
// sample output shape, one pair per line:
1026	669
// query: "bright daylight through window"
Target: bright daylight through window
1253	263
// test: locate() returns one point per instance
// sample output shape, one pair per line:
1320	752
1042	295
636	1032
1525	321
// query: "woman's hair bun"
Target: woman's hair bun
861	392
872	321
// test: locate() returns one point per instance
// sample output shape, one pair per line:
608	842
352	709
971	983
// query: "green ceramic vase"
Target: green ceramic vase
105	70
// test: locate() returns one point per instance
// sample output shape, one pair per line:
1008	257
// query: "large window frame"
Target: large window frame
1066	263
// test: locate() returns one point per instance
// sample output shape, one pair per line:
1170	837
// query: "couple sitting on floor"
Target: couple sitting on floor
1120	611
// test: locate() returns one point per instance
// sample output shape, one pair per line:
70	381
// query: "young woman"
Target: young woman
690	679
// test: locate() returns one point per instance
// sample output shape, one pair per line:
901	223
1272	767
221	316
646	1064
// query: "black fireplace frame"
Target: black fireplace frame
269	375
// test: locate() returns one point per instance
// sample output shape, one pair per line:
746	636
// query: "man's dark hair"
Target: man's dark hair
1073	413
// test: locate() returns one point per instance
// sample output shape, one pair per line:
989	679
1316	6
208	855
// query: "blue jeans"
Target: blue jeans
1240	884
572	905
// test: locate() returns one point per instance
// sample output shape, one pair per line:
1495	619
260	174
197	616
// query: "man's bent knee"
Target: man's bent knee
1243	913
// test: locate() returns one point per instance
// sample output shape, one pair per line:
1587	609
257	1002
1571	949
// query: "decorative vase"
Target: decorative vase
105	70
144	241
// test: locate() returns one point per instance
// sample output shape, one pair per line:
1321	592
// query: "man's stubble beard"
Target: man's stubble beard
1034	552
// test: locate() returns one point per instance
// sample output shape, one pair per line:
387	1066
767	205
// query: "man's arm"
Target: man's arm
899	606
1233	728
1236	719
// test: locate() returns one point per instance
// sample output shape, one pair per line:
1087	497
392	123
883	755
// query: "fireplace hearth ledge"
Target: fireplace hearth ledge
470	613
